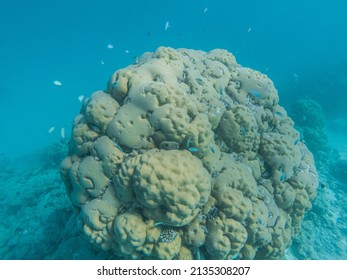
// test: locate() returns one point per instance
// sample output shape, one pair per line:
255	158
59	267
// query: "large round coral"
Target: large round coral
187	155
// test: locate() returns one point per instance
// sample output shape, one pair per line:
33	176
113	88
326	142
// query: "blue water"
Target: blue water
300	45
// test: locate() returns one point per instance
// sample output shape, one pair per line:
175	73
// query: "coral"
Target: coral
238	129
167	191
99	110
315	139
308	113
225	239
310	120
130	232
188	155
96	218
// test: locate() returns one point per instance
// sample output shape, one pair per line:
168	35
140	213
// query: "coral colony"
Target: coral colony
186	155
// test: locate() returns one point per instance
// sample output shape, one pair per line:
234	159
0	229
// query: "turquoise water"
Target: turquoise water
300	45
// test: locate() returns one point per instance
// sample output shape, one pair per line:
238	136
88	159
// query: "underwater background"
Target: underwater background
55	53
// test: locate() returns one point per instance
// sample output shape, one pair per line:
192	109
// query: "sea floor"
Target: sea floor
37	219
324	229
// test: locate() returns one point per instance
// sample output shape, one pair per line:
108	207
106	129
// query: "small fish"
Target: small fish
212	213
192	149
199	81
205	10
51	129
167	25
283	177
80	98
102	62
188	142
127	51
242	130
255	93
279	113
110	46
204	229
118	147
296	77
296	141
57	83
249	29
62	133
158	224
221	92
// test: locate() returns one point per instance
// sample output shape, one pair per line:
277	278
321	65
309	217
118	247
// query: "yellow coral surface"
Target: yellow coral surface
188	155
